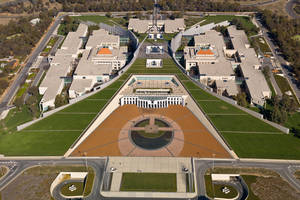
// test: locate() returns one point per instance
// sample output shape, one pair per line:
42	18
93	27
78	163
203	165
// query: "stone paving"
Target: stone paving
112	137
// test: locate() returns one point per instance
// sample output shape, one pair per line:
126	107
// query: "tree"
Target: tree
266	72
60	100
18	102
108	14
241	99
288	104
34	91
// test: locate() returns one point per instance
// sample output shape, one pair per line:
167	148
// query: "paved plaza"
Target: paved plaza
187	135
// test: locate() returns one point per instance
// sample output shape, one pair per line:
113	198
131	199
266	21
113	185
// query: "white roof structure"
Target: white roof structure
87	67
250	66
228	85
102	55
81	85
101	37
211	60
169	26
53	79
60	66
73	41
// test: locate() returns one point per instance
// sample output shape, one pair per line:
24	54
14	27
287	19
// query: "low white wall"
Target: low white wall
171	195
222	177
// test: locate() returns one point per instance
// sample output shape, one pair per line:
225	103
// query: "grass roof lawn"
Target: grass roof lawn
272	146
88	106
63	121
100	19
220	107
156	182
242	123
41	143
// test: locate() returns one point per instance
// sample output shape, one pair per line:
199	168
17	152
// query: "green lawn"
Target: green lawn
37	143
262	44
102	19
190	21
284	85
78	192
156	182
22	89
273	146
241	123
14	118
246	22
89	182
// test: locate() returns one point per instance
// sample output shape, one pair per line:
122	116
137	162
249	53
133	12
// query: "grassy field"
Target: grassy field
102	19
274	146
215	190
156	182
284	85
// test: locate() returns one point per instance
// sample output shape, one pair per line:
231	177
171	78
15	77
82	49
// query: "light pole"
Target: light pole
213	187
85	155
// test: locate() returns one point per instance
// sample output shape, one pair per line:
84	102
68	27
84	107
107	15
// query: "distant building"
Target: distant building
208	57
163	26
247	61
34	21
60	65
102	56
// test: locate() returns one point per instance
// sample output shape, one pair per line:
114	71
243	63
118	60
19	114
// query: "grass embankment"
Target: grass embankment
149	182
284	85
247	135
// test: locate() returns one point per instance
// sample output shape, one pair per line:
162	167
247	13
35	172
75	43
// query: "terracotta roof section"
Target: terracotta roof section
104	51
205	52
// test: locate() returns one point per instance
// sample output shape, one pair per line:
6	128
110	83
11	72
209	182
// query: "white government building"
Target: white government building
102	56
162	26
153	91
60	65
208	56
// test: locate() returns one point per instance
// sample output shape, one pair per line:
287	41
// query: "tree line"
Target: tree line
283	31
17	38
124	5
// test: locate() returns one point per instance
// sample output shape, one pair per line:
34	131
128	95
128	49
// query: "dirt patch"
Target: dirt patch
224	107
274	188
297	175
3	171
34	183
